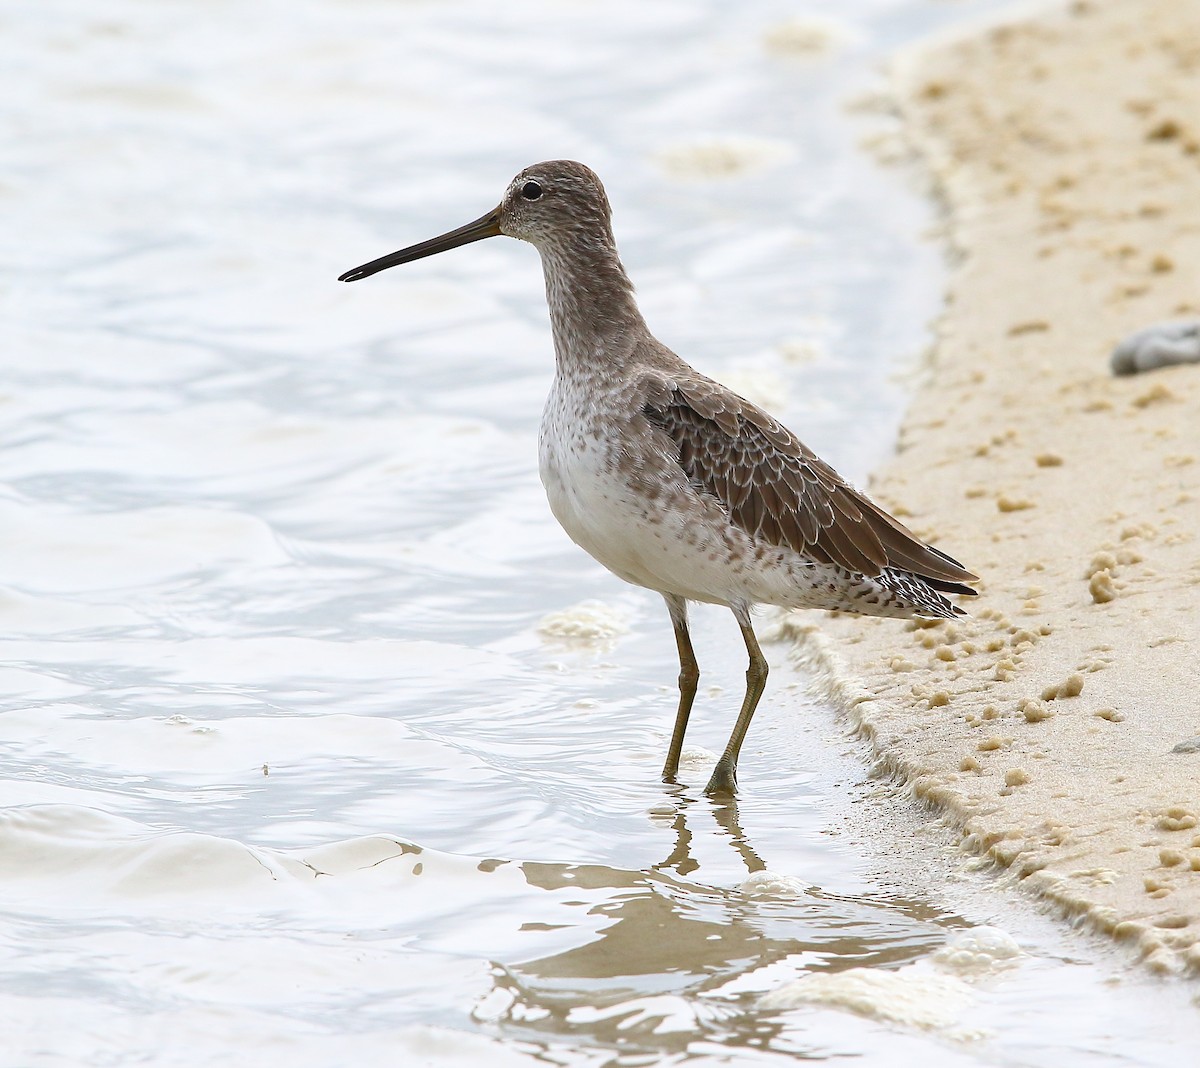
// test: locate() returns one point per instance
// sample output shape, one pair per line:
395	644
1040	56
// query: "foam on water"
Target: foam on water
934	994
978	950
911	997
591	622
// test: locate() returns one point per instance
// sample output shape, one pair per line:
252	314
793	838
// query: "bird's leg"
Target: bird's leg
689	676
724	777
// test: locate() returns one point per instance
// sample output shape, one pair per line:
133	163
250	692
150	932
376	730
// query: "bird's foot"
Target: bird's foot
723	783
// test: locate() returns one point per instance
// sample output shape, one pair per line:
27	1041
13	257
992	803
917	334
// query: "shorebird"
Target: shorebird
674	482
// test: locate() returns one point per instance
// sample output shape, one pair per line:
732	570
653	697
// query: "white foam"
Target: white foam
977	950
909	996
696	757
768	883
931	994
587	623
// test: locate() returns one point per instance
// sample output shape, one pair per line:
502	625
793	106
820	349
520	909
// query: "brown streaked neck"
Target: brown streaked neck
592	307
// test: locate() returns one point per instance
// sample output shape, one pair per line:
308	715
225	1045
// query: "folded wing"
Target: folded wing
777	490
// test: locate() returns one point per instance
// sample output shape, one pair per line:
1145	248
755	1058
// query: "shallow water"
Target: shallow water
295	769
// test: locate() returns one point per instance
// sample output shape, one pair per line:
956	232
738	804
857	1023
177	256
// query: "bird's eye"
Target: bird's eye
531	191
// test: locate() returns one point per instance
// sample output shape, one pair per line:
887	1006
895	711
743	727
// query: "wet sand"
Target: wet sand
1057	724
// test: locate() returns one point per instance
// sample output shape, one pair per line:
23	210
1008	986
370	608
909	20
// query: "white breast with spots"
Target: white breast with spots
666	539
585	493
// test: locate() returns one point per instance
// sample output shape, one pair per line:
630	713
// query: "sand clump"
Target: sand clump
721	158
806	38
1053	724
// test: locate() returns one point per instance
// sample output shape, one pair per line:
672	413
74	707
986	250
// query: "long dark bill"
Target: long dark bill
487	226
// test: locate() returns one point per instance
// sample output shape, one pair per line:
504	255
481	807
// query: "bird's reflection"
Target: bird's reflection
725	812
653	977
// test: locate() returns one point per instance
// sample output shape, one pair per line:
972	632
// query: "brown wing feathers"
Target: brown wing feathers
773	487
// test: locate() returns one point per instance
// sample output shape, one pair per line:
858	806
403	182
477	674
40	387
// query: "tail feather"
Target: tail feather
942	586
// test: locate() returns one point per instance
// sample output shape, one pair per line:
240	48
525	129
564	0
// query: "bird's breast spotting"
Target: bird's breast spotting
583	486
635	511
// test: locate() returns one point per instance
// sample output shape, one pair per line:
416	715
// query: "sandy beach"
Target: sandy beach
1057	725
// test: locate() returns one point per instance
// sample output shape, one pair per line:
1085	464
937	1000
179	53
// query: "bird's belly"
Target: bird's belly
648	528
593	507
